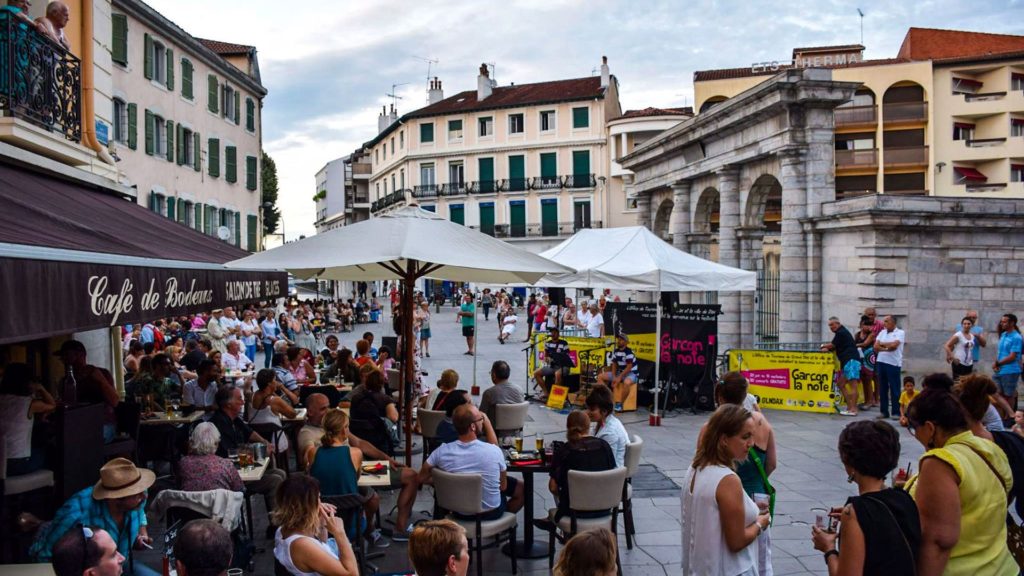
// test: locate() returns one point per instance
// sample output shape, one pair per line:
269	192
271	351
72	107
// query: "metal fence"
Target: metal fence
767	304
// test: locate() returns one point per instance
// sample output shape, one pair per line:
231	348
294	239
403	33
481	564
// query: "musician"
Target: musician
555	352
622	373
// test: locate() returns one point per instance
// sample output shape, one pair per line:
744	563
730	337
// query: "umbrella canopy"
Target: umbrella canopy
634	258
375	248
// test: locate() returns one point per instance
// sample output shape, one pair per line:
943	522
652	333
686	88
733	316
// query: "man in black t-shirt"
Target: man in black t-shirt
554	348
846	350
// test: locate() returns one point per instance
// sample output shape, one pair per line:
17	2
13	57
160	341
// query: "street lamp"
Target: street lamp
269	206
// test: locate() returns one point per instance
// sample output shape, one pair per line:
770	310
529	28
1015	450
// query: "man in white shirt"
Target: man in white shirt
888	365
201	392
508	326
232	325
595	326
235	359
469	455
217	331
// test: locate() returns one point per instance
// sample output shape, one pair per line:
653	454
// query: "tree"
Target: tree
268	178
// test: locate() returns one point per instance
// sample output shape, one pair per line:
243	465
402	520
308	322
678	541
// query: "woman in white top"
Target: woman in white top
719	520
960	349
268	407
250	333
20	400
310	538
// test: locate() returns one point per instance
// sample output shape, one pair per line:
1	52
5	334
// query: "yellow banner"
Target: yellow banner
594	351
800	381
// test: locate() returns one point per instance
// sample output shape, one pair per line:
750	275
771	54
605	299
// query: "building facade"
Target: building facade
342	191
944	117
526	163
185	123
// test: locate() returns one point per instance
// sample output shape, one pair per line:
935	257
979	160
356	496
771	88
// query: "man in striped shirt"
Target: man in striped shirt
623	373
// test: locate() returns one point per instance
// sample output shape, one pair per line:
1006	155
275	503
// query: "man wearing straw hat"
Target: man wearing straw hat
116	504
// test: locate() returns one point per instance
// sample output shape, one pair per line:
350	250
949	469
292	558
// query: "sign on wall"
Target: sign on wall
799	381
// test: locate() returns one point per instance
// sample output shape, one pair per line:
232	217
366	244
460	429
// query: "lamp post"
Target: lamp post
267	207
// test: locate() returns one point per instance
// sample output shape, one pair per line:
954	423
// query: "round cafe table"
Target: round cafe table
527	547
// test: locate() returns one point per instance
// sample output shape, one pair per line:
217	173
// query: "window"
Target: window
1016	127
1016	172
231	164
393	187
515	123
159	136
1016	81
250	172
427	174
426	133
376	156
486	126
581	117
401	140
547	120
963	131
401	178
119	39
186	147
456	173
186	79
392	145
120	121
855	141
250	114
230	103
455	129
159	59
213	157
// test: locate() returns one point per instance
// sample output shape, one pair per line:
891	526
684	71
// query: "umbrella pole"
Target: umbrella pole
655	419
408	348
476	336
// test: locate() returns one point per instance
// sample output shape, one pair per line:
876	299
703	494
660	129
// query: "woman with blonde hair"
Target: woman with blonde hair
310	538
589	553
719	520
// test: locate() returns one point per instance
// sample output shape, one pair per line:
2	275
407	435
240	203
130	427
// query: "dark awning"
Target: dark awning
970	173
75	258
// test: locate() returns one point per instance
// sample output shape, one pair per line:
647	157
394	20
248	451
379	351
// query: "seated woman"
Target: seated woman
131	360
880	529
202	469
337	466
20	400
581	452
369	400
344	368
300	368
268	407
311	539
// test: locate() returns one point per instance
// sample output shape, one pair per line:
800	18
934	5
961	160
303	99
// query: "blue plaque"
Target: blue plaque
101	132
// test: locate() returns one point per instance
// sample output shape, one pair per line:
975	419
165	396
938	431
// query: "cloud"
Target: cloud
328	64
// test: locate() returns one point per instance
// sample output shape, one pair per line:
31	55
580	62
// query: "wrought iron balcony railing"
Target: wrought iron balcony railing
453	189
580	181
515	185
550	229
484	187
425	191
40	81
546	182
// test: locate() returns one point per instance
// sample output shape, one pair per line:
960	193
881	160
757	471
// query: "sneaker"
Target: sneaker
402	536
377	540
847	413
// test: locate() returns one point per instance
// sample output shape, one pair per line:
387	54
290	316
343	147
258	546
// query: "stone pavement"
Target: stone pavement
809	473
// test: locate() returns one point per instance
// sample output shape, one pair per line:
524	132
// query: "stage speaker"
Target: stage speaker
557	296
669	300
392	343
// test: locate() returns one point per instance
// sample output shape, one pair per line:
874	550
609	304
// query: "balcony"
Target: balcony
542	230
546	183
425	191
514	185
391	199
905	157
40	82
985	142
855	159
984	97
453	189
905	112
580	181
849	116
484	187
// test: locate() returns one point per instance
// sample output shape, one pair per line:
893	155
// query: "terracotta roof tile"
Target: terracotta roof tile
936	44
225	48
650	111
517	95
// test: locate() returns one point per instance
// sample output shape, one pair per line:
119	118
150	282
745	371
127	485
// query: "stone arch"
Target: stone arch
764	204
711	103
662	218
705	216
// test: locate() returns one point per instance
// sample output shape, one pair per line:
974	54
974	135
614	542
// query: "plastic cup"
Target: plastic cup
763	501
821	518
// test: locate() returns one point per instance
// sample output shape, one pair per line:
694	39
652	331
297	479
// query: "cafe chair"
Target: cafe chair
14	489
634	450
126	443
429	421
462	494
590	493
509	419
350	511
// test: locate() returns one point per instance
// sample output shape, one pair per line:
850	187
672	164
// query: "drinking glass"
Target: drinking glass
540	444
519	443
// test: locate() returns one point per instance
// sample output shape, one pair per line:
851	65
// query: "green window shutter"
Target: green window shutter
487	218
147	66
581	163
549	217
238	229
119	42
212	222
213	158
250	114
250	172
238	105
169	60
152	201
170	141
457	213
181	210
486	174
517	173
197	160
426	133
517	218
213	95
186	79
251	225
231	164
581	117
181	145
548	166
133	126
171	205
150	132
197	219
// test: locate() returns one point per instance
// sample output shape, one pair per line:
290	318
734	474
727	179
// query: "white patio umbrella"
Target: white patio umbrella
634	258
409	244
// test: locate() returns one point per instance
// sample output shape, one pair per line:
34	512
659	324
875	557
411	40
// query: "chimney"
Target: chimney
393	117
605	74
483	84
435	94
382	120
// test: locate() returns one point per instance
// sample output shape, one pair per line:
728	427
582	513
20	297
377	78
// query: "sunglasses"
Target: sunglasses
87	535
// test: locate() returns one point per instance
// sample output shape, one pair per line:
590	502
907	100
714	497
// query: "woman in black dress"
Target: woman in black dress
879	530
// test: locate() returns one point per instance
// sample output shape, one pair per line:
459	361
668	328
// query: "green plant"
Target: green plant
319	195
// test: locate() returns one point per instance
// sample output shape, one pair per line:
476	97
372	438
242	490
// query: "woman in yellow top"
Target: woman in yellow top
960	492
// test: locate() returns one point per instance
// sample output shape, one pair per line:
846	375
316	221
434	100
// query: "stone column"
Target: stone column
794	321
728	253
679	225
751	257
643	206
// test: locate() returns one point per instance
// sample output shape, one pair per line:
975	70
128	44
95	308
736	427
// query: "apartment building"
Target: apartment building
342	191
528	163
185	123
944	117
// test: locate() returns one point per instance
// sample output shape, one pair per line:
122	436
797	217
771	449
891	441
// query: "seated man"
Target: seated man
439	548
468	455
235	358
607	426
117	503
555	349
233	433
622	373
203	548
284	375
157	387
86	552
502	392
508	326
201	393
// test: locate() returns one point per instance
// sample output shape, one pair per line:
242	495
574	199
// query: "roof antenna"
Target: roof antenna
861	12
430	62
394	95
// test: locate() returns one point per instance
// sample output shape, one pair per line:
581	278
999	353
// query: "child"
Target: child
909	393
1018	423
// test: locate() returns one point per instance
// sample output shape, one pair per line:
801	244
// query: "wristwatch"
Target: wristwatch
832	552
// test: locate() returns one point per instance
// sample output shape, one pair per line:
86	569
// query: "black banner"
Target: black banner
42	298
688	347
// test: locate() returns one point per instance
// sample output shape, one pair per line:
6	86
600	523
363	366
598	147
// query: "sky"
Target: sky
328	64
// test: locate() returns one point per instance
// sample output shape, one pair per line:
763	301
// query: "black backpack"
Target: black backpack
1013	445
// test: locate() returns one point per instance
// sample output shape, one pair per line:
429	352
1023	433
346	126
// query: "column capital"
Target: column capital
792	154
681	187
728	170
